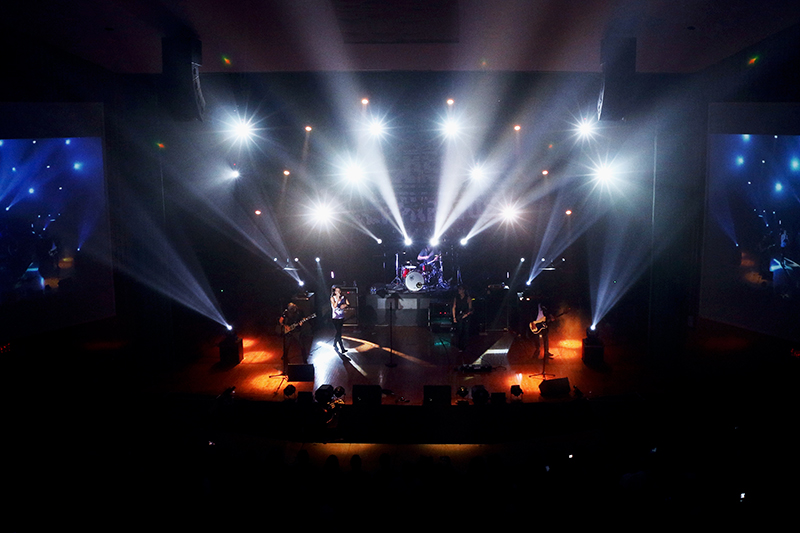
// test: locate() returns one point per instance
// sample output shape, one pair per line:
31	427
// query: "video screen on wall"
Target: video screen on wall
55	253
751	252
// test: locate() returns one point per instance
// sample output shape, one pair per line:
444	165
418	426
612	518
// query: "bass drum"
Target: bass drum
414	281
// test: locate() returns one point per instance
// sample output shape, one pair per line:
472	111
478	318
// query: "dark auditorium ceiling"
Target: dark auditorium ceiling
673	36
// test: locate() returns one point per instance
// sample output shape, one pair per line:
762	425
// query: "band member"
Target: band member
428	255
462	309
291	326
338	304
539	327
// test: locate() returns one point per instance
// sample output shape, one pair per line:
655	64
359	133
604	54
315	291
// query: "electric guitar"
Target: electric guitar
537	326
286	329
464	315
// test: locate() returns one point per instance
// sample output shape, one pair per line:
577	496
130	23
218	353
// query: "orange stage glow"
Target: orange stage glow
248	342
571	344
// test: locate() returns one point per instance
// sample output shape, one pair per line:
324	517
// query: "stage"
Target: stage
403	360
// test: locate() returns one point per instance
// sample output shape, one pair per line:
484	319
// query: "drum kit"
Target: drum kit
423	276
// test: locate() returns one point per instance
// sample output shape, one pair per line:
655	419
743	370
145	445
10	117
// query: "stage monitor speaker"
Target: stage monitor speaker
181	58
367	394
498	398
305	397
437	395
554	387
618	56
300	373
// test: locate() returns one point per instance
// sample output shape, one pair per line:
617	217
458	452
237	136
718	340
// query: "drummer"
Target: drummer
428	255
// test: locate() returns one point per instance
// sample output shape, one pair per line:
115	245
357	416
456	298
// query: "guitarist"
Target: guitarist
540	331
462	309
291	328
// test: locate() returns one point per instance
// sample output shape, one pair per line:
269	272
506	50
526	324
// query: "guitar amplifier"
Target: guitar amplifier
306	302
351	313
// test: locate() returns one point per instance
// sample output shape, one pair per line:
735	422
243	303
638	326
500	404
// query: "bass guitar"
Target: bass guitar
537	326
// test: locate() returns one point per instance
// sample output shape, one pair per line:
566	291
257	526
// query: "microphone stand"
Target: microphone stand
391	363
543	374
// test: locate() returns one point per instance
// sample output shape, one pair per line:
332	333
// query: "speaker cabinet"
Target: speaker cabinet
592	353
554	387
231	350
437	395
367	394
300	373
181	58
618	55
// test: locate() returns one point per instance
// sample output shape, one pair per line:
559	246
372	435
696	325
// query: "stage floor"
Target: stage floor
402	360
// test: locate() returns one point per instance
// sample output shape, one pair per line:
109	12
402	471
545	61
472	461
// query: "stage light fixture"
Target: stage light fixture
477	173
228	327
450	127
324	394
379	241
301	283
464	241
450	101
408	241
568	212
434	241
322	214
316	259
286	172
354	173
509	213
604	173
480	396
586	128
290	392
364	101
376	127
257	211
308	128
243	130
517	127
234	174
516	392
